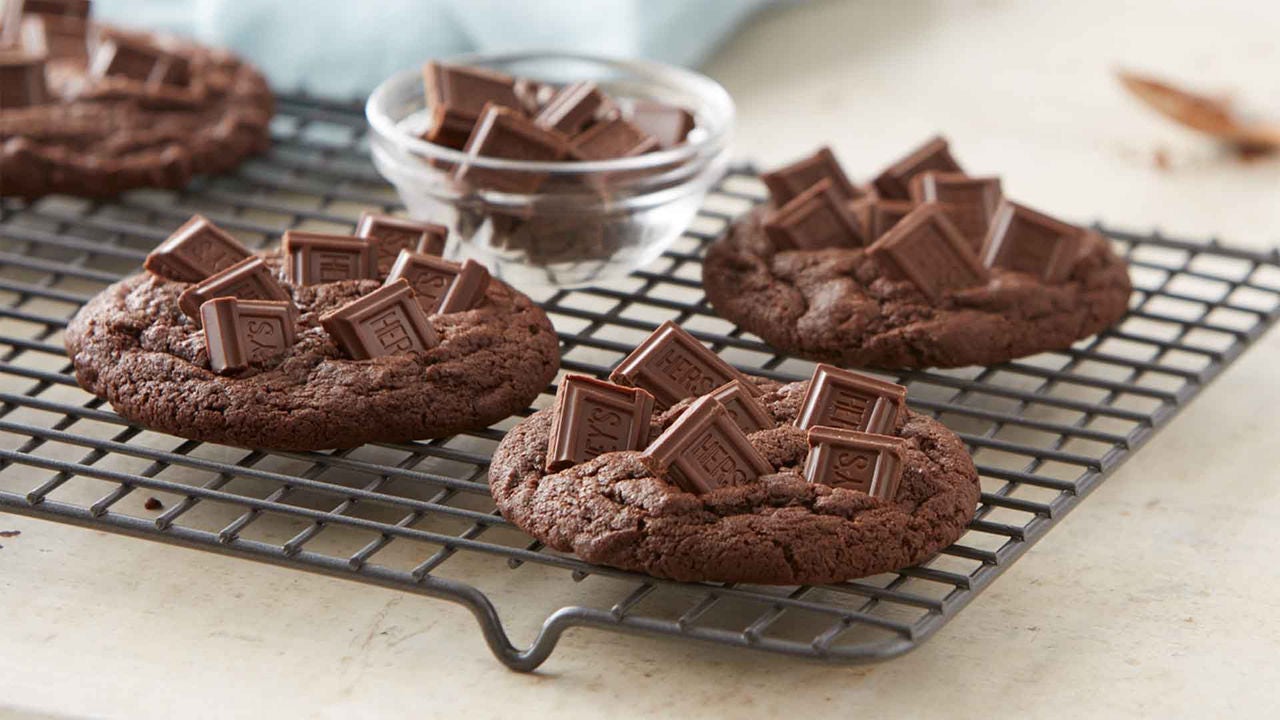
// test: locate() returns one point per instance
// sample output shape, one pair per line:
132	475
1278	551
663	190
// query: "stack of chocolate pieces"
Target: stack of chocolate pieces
923	219
247	312
849	419
32	34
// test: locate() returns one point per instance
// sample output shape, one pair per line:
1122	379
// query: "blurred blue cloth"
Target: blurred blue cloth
343	48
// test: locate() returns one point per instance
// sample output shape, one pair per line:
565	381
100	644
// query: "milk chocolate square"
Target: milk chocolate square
925	248
317	258
705	449
969	202
22	81
136	58
449	128
668	124
63	25
876	216
787	182
574	107
672	365
249	279
856	461
387	321
815	219
1028	241
845	399
389	235
441	286
505	133
895	182
739	399
593	417
608	139
464	91
238	333
195	251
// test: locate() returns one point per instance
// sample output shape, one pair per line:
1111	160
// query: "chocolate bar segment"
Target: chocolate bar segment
895	182
63	23
441	286
668	124
815	219
704	449
593	417
787	182
387	321
876	217
389	235
238	333
845	399
739	400
1028	241
22	81
672	365
464	91
317	258
855	460
925	248
614	138
195	251
506	133
135	58
969	202
249	279
573	108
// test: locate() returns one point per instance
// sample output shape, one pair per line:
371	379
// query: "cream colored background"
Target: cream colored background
1159	597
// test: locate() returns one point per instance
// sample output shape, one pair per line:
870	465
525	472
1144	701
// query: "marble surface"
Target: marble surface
1157	597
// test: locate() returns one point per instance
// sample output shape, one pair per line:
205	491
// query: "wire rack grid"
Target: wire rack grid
417	517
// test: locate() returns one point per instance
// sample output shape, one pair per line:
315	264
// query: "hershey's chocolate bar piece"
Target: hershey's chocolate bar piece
387	321
449	128
855	461
389	235
895	182
441	286
316	258
704	450
846	399
875	216
573	108
1028	241
249	279
815	219
506	133
135	58
787	182
593	417
22	82
614	138
672	365
970	202
739	399
195	251
240	332
668	124
464	91
925	248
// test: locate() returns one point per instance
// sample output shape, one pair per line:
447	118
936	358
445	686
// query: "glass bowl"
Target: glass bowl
587	222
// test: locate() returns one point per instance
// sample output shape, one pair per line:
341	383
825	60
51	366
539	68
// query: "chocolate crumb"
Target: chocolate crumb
153	504
10	533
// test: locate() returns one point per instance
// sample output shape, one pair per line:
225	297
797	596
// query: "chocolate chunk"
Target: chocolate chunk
450	129
389	235
608	139
1028	241
855	461
153	503
238	333
672	365
22	82
593	417
464	91
846	399
249	279
787	182
815	219
441	286
739	399
195	251
969	202
505	133
573	108
875	216
387	321
64	25
895	182
667	124
136	58
704	449
316	258
925	248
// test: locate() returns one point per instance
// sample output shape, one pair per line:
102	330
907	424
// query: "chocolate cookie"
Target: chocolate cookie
133	345
612	509
92	110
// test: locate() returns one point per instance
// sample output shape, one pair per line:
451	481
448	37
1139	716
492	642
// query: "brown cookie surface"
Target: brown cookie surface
133	346
611	510
835	305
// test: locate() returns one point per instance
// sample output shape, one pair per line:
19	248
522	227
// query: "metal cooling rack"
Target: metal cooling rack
417	517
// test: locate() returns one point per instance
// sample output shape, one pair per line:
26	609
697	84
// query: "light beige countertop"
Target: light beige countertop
1156	597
